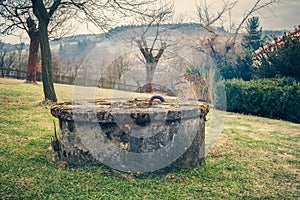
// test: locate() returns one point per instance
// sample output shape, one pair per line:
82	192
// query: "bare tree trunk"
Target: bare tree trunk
210	85
33	51
43	16
48	86
150	70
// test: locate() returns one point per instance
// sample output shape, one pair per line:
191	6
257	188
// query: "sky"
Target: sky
283	16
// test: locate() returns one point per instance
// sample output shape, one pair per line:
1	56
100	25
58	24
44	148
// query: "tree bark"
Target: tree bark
48	86
43	16
150	70
33	51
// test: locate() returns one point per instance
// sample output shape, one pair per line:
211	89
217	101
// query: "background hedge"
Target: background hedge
277	98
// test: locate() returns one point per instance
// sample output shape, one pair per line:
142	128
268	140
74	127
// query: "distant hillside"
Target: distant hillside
13	47
184	27
73	45
80	39
178	26
273	32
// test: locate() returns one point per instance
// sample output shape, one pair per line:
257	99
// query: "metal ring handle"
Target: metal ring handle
155	97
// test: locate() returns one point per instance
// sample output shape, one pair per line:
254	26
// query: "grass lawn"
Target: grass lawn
254	158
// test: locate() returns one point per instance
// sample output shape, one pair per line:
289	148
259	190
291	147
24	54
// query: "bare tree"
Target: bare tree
122	65
152	52
77	65
221	45
21	56
174	69
101	13
18	15
209	21
7	59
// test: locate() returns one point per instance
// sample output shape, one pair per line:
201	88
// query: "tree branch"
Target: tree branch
54	7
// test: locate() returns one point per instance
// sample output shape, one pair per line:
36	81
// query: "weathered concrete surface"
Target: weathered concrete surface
122	129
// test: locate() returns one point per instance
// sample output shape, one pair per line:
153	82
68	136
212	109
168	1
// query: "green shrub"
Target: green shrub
277	98
281	59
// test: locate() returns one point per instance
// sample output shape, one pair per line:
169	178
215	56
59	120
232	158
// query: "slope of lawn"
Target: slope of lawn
255	158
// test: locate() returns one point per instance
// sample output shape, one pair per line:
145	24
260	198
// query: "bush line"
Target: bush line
277	98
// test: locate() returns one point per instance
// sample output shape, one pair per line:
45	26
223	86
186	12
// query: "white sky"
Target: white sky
285	15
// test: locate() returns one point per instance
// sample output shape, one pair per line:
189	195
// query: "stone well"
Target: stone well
131	135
